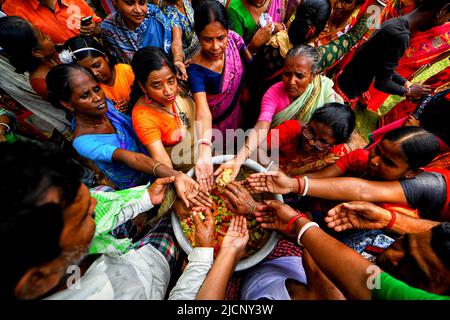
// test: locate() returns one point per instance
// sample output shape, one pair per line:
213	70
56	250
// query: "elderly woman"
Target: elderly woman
300	93
215	77
105	135
310	20
138	24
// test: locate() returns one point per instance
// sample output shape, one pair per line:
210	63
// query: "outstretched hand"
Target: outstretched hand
157	189
204	230
238	199
230	164
189	191
275	215
236	237
272	181
357	215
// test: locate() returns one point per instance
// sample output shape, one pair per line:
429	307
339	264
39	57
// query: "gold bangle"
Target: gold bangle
156	166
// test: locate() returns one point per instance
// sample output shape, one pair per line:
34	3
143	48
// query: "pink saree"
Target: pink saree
225	107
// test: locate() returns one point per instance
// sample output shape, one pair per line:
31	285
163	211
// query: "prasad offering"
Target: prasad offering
222	216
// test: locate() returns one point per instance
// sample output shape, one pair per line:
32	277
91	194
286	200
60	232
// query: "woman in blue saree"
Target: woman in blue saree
106	136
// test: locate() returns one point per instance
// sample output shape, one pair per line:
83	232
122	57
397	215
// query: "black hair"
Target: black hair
84	41
440	242
418	145
339	117
18	39
431	5
209	11
29	171
305	50
144	61
435	115
59	85
313	13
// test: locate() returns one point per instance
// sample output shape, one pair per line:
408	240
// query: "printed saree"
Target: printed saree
155	30
225	107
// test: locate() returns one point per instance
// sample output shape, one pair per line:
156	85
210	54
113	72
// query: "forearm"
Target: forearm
331	171
254	140
177	45
351	189
335	260
143	163
215	284
203	122
406	224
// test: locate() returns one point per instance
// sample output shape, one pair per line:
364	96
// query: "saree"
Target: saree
424	48
225	107
395	107
269	62
182	154
186	24
97	147
318	92
155	30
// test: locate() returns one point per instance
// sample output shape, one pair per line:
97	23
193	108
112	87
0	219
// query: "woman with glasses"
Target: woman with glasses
297	96
311	147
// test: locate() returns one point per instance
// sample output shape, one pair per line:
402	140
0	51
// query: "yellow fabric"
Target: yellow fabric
281	40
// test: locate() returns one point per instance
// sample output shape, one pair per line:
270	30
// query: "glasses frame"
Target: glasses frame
317	143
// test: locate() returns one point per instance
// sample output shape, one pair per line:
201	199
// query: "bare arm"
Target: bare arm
366	215
333	257
335	260
143	163
203	123
157	151
177	51
331	171
348	189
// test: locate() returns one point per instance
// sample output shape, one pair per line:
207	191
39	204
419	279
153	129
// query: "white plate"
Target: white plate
244	263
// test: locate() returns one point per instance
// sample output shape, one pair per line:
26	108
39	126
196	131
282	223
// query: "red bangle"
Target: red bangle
393	218
293	219
298	181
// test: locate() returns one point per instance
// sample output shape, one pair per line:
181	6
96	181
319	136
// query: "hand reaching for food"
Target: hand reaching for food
204	228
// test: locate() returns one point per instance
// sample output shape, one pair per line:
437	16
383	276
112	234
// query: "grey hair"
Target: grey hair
308	52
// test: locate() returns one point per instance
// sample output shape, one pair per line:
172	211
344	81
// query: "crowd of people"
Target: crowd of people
112	114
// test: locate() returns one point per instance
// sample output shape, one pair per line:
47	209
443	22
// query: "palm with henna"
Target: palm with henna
357	215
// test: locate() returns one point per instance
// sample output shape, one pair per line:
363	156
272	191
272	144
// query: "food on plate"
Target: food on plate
222	216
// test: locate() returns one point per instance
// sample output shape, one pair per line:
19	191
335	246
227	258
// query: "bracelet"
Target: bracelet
305	189
393	218
156	166
304	229
293	219
204	141
8	128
